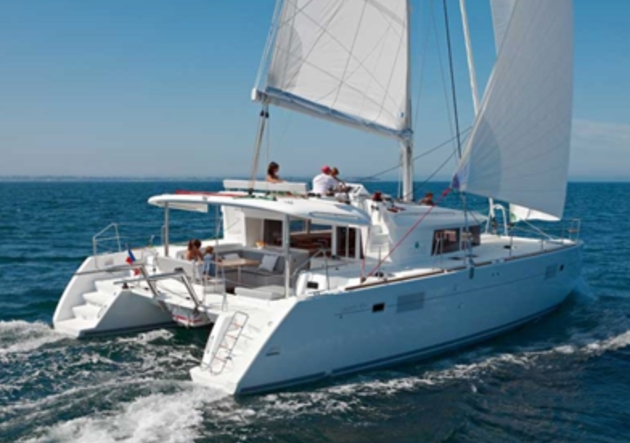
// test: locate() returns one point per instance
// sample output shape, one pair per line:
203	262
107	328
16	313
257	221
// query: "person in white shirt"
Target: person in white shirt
324	183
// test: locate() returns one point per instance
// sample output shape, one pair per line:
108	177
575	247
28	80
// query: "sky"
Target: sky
162	89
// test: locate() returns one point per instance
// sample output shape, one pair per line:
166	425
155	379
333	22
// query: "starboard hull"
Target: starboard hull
396	322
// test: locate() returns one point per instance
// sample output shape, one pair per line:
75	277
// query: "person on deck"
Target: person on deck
209	263
341	185
427	200
193	253
272	173
324	183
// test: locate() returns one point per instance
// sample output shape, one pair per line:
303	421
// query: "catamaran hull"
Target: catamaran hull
381	325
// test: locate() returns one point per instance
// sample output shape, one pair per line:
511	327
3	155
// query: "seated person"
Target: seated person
427	200
324	183
209	264
272	173
341	185
193	253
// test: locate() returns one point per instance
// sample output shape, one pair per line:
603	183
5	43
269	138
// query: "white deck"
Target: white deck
493	249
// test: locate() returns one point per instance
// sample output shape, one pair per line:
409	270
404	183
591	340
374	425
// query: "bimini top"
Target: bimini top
329	212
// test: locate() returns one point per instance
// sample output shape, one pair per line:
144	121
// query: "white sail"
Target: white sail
501	14
521	213
343	60
518	150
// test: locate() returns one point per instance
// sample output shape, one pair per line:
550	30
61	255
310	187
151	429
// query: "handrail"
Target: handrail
504	214
96	237
117	268
151	279
438	250
322	251
299	268
204	279
558	233
575	225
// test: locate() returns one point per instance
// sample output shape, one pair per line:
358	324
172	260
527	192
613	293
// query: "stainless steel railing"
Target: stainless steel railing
150	279
98	237
321	252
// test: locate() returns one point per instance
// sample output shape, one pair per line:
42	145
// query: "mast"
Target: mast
407	144
406	151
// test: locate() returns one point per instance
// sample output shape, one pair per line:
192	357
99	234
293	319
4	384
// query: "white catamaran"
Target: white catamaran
310	286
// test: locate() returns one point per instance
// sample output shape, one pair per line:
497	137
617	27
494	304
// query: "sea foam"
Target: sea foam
18	336
164	417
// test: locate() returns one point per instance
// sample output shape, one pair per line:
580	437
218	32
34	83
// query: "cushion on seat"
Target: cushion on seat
232	256
268	262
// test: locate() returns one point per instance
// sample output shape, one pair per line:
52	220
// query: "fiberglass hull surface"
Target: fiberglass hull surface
376	326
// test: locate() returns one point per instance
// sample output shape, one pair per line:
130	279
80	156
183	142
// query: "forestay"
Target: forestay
343	60
518	150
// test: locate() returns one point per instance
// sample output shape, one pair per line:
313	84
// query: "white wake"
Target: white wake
18	336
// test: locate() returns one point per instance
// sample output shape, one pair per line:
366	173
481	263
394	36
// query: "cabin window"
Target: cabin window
312	237
298	225
347	242
273	232
474	236
445	241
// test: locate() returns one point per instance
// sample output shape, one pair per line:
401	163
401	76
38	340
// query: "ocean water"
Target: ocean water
565	378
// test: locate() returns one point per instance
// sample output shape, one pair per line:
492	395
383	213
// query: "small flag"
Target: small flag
130	257
130	260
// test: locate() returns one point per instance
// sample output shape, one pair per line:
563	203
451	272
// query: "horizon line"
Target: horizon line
196	178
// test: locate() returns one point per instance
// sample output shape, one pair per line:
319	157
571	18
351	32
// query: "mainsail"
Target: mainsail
343	60
518	150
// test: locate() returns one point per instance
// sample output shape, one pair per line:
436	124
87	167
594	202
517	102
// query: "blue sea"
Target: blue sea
564	378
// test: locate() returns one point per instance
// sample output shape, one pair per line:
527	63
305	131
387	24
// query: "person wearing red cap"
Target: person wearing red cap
324	183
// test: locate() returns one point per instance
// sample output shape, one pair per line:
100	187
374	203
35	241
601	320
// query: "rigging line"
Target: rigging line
441	65
416	157
450	61
422	58
439	168
428	179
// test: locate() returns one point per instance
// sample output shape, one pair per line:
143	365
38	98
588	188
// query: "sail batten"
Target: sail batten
345	61
518	150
